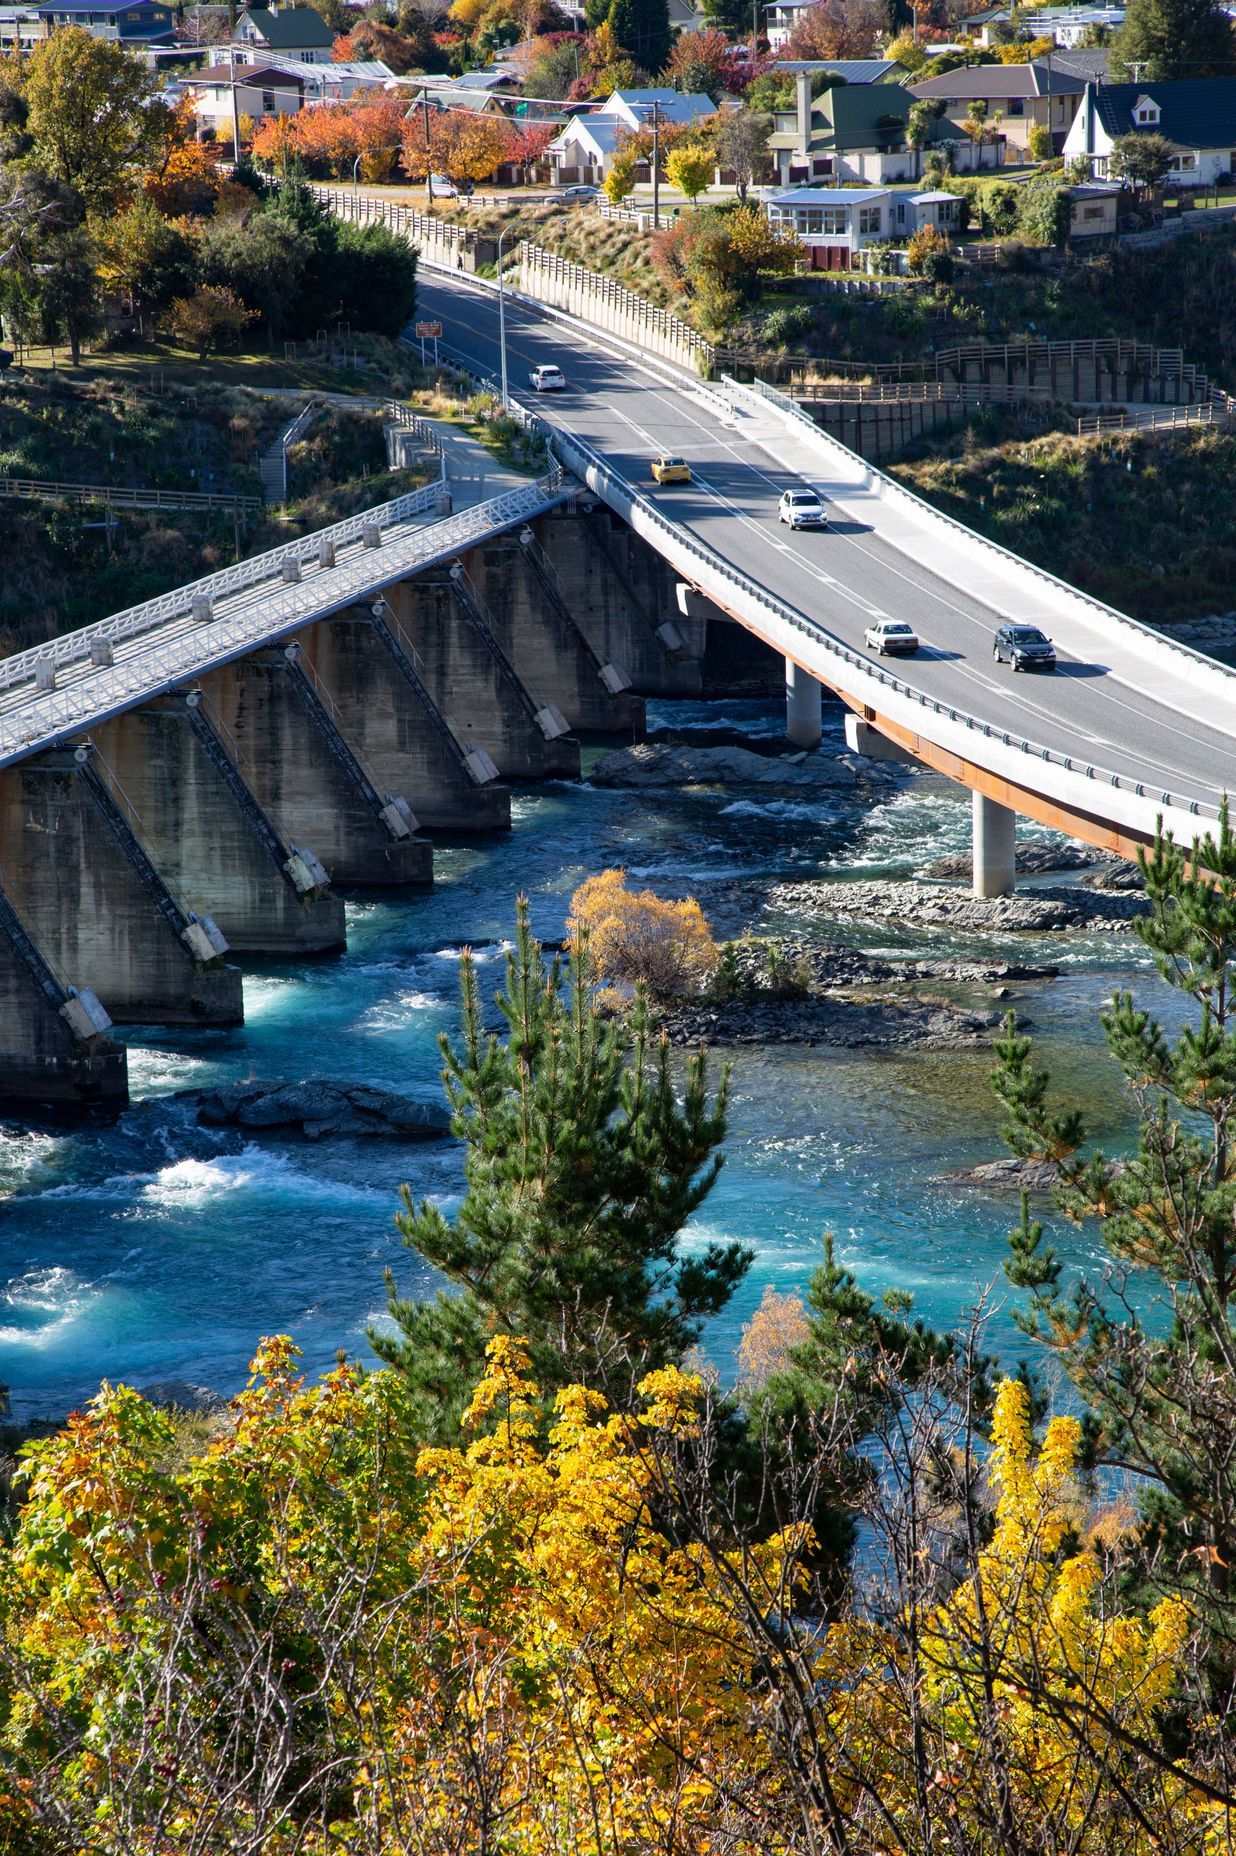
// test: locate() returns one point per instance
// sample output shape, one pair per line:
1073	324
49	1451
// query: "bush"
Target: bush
637	939
787	324
929	254
1039	142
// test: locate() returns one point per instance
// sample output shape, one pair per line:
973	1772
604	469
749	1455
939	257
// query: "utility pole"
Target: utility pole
231	72
428	157
755	33
656	164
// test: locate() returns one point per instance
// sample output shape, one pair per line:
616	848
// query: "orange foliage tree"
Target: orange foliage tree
329	137
462	145
778	1325
637	938
187	179
837	29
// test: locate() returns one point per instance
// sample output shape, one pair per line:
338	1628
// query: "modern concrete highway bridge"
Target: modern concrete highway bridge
184	779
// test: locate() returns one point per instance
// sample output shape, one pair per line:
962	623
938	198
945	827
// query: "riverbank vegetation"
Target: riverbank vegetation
542	1582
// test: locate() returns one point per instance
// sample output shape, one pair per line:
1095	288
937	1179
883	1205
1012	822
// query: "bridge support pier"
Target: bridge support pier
385	710
208	833
96	903
477	681
994	847
622	595
803	706
305	775
54	1051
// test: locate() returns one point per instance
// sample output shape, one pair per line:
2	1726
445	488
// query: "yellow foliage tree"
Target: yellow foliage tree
637	938
620	181
691	169
778	1325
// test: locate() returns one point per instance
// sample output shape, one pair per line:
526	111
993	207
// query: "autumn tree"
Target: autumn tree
584	1156
212	317
638	939
145	259
778	1325
619	183
699	62
837	29
95	119
690	169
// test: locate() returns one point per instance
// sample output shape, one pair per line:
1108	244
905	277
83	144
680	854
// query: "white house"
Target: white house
1196	114
261	91
834	223
335	83
288	31
585	148
911	212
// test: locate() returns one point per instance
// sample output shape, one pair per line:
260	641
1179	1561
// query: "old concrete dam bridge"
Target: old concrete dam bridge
186	782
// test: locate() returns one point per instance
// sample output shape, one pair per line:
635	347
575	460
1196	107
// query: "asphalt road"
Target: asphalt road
842	578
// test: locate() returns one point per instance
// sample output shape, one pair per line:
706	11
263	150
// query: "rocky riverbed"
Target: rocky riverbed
1047	910
319	1108
654	764
848	1024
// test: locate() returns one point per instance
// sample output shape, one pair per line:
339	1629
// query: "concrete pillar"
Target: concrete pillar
209	835
305	775
803	705
387	713
50	1060
99	908
995	847
537	630
475	679
620	592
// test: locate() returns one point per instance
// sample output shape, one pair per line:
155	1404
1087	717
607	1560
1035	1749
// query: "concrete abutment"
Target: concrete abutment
96	903
209	834
995	847
55	1054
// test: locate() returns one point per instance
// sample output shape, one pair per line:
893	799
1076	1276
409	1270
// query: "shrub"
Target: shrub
1039	142
637	938
929	254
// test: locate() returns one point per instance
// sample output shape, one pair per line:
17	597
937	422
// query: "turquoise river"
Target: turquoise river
154	1248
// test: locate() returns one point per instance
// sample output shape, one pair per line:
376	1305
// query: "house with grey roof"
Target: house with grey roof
859	132
1197	115
1023	96
288	31
585	149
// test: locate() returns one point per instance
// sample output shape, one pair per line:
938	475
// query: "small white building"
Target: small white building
261	91
833	223
336	83
585	148
911	212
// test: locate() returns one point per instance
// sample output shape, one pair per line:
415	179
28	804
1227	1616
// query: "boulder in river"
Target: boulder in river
923	905
650	765
1035	857
183	1395
1009	1175
319	1107
848	1024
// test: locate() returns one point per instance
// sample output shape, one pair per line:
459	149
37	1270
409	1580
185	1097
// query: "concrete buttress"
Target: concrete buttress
623	595
475	678
89	891
385	710
54	1050
306	775
207	831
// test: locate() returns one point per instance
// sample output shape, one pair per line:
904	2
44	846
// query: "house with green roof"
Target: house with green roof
858	132
1197	115
290	31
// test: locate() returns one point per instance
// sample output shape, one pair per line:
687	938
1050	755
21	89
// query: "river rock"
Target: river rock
922	905
648	764
1035	857
183	1395
768	963
848	1024
1009	1174
318	1108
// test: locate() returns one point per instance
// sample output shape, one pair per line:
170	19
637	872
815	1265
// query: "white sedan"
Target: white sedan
547	379
891	637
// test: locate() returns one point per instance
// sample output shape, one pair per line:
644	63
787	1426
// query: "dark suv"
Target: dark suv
1024	647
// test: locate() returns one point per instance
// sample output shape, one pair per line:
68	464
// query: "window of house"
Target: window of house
1147	112
268	102
869	220
1092	212
1017	106
1183	164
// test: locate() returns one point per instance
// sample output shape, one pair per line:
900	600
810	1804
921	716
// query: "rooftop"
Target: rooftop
1001	80
289	26
828	196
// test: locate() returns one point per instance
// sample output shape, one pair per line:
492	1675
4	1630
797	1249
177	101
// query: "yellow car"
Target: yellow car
671	470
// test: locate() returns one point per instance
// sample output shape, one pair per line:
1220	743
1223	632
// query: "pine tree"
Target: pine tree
1159	1385
584	1158
1173	39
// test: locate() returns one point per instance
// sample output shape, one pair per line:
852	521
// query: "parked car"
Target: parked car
670	470
891	638
802	509
581	192
1024	647
445	189
547	378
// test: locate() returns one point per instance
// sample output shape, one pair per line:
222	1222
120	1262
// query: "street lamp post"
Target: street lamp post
502	318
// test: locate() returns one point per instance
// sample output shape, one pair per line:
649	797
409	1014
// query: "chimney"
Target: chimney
802	84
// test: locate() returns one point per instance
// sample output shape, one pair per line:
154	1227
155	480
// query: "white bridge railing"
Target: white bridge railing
162	663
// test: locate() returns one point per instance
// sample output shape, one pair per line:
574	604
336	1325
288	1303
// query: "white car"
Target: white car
892	637
802	509
547	379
